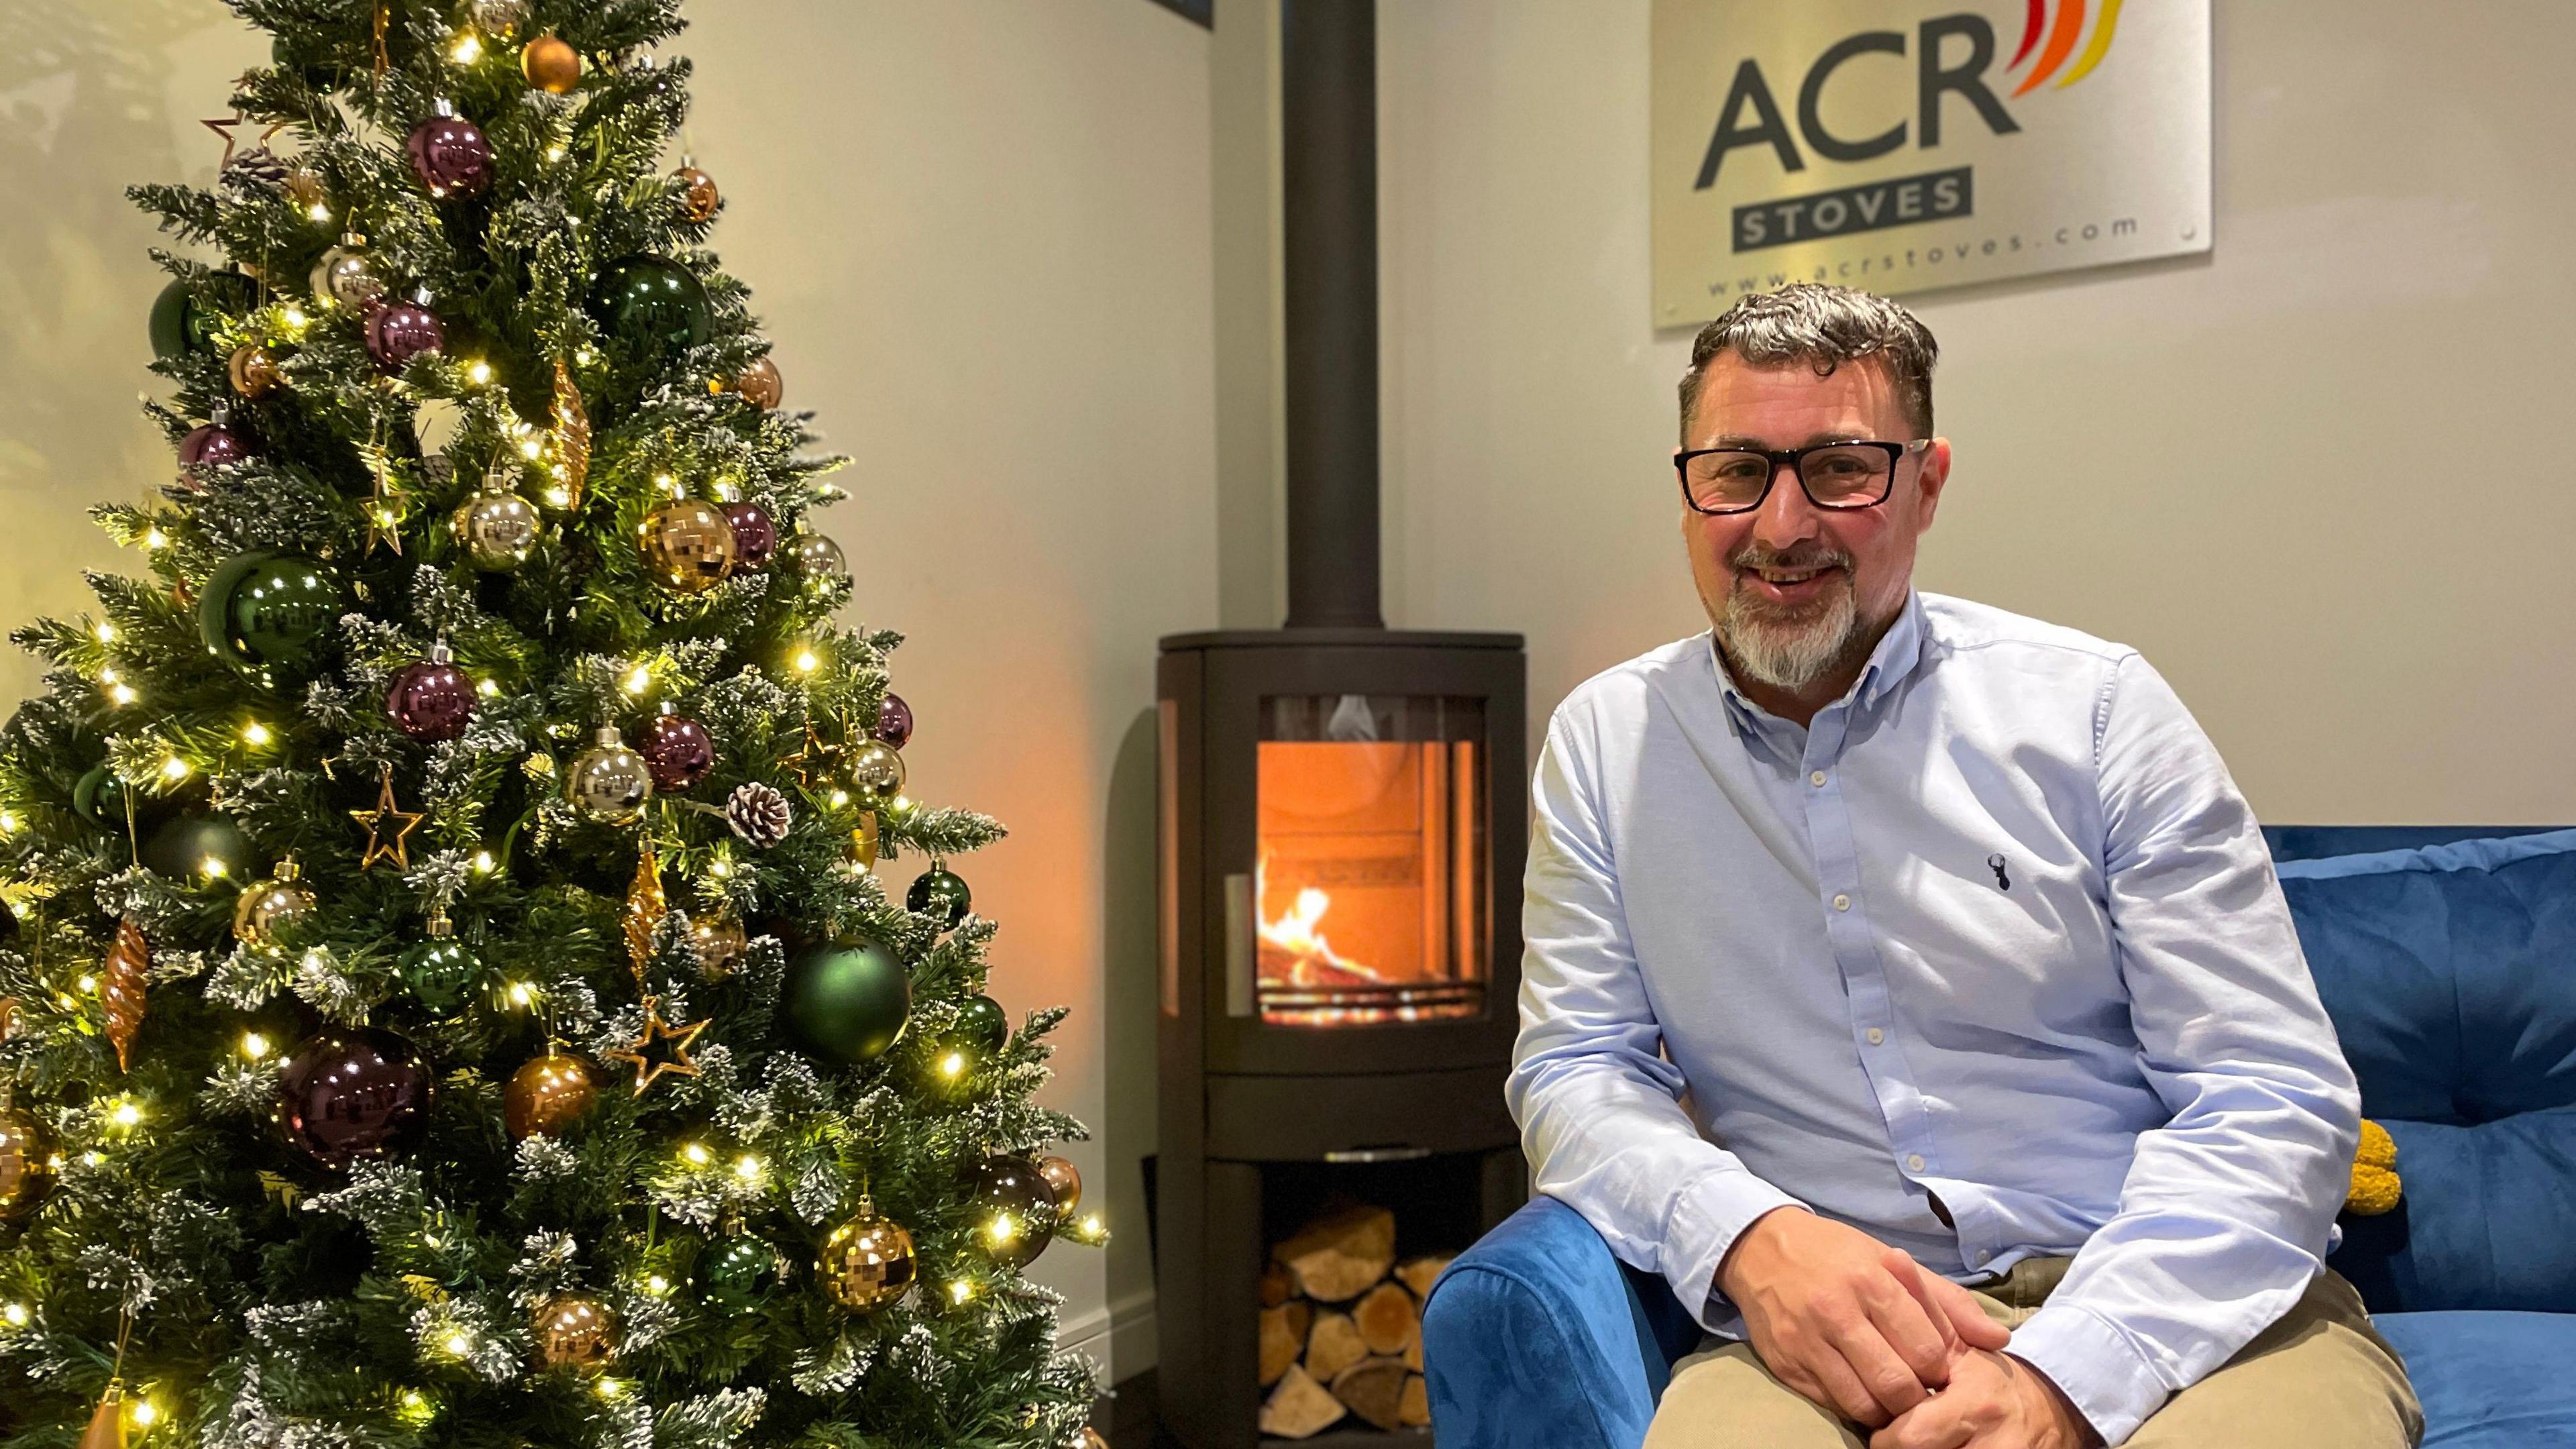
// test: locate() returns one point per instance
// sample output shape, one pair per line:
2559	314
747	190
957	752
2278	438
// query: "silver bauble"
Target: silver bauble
499	19
819	559
270	905
876	775
347	276
498	529
608	782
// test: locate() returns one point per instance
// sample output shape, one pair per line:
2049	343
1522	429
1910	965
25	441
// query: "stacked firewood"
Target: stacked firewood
1341	1327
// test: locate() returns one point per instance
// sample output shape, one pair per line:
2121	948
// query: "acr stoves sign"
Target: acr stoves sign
1900	145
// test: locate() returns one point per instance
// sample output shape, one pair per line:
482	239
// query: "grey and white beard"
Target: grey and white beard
1789	649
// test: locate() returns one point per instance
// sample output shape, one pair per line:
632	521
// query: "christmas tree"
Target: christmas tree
448	997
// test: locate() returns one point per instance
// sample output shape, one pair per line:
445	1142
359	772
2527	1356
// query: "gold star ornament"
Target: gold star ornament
398	850
650	1068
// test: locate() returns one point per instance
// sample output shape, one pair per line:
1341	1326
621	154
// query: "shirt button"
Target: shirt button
1978	1258
1842	903
1818	778
1914	1163
1876	1036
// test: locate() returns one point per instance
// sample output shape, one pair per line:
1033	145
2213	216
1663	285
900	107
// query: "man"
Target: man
1881	943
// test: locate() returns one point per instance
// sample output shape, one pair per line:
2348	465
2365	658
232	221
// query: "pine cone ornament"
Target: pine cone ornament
120	987
759	814
255	172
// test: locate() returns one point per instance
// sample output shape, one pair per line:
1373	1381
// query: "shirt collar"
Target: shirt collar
1898	653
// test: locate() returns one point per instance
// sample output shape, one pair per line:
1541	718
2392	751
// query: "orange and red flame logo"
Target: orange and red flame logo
2062	34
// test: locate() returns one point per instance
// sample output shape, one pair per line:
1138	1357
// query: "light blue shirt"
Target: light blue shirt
1996	929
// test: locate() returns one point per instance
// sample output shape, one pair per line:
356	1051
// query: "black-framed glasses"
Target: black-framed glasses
1855	474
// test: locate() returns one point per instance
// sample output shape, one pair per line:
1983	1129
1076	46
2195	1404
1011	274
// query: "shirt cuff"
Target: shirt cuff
1706	1220
2108	1379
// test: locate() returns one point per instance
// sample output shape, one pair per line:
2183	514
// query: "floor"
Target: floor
1125	1416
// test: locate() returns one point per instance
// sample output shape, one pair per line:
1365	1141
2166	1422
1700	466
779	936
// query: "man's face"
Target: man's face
1798	593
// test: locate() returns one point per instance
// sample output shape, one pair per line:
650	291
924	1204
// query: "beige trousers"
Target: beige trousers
2322	1375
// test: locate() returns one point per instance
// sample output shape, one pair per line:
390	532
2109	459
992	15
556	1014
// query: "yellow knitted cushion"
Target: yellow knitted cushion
2375	1185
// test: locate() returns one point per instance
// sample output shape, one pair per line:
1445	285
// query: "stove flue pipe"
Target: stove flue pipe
1328	123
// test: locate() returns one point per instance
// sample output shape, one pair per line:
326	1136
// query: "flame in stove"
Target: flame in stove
1293	951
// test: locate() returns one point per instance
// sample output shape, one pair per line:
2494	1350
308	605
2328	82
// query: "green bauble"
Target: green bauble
183	323
263	613
650	307
981	1021
188	845
848	1001
737	1274
441	971
940	894
100	797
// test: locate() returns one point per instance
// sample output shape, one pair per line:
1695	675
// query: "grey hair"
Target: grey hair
1823	326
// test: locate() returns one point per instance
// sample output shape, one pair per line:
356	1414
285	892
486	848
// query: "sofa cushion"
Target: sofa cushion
2489	1380
2450	972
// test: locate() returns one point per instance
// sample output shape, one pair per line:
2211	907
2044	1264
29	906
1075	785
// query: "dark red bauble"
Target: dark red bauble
677	751
450	156
894	722
401	331
430	701
755	534
355	1093
210	445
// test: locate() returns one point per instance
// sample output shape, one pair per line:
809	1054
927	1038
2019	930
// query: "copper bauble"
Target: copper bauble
721	942
549	1094
254	371
272	905
867	1262
1065	1181
574	1331
26	1165
687	545
760	384
551	65
608	782
497	528
876	775
698	195
107	1422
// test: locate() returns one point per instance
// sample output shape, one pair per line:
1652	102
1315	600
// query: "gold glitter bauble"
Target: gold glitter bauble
868	1262
497	528
551	65
547	1095
270	905
609	782
254	371
721	943
760	384
575	1331
688	546
26	1165
698	195
876	775
1062	1176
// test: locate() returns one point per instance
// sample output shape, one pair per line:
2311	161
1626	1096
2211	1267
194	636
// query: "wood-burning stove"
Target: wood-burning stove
1343	818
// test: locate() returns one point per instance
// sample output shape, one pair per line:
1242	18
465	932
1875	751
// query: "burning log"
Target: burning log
1300	1408
1338	1258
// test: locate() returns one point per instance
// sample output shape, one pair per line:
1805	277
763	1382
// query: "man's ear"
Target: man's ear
1929	479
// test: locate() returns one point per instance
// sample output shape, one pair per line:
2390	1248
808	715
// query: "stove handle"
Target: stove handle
1378	1154
1240	949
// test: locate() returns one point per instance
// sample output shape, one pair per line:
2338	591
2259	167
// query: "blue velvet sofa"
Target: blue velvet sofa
2447	959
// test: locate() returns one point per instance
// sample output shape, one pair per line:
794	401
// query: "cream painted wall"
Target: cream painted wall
2288	472
980	234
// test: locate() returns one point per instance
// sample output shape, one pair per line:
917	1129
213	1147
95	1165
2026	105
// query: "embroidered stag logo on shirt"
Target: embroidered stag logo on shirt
1996	863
